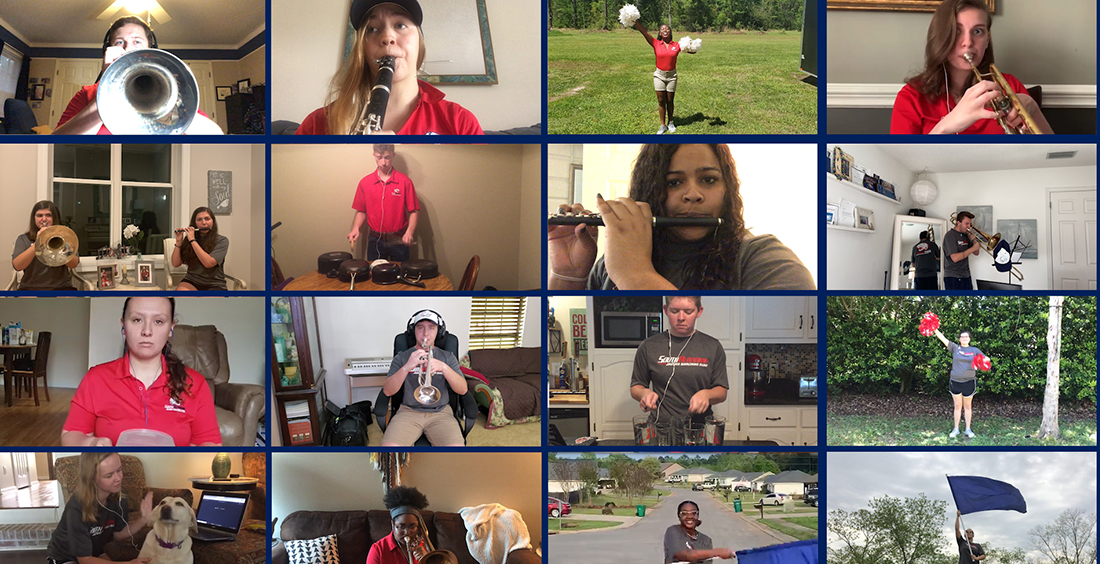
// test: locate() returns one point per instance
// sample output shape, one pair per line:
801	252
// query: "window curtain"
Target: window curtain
24	79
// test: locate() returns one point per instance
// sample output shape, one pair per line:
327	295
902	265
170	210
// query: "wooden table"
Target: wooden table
315	281
208	483
10	352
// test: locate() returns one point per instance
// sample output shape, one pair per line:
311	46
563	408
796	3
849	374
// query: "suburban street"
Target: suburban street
643	543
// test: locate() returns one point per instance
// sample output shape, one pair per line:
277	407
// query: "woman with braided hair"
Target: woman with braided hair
405	505
148	388
203	250
674	181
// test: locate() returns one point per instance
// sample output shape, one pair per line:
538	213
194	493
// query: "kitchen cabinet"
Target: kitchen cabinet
612	409
721	319
788	426
781	319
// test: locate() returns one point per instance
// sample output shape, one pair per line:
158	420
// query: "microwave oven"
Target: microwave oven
627	329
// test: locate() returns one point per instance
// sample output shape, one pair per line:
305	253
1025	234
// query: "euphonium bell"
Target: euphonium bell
56	245
421	551
147	91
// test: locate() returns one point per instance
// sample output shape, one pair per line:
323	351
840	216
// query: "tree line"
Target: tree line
691	16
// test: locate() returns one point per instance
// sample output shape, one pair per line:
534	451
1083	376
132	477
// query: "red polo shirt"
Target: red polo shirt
666	53
386	204
386	551
109	400
433	116
80	100
913	113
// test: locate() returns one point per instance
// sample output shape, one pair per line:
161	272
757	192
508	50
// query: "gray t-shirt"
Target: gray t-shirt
676	539
763	263
701	365
961	359
964	552
412	381
955	242
38	276
73	538
214	276
926	259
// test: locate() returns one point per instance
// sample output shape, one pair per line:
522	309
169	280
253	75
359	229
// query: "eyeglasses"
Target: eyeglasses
411	527
689	514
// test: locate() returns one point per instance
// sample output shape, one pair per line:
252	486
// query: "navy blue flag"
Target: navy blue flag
800	552
974	493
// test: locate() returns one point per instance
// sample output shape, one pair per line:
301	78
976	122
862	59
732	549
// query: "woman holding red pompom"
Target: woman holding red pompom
964	383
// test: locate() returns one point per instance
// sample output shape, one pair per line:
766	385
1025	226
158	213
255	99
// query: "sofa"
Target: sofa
239	407
509	384
356	531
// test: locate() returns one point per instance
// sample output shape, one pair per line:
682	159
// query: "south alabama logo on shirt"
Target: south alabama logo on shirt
174	405
923	248
682	361
964	354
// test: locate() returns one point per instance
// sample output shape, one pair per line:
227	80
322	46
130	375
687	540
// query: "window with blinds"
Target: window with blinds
497	323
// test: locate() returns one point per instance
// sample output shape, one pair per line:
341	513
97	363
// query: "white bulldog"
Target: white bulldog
170	541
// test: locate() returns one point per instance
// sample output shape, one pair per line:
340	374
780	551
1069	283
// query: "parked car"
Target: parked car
774	499
556	507
813	503
742	489
674	479
697	487
811	498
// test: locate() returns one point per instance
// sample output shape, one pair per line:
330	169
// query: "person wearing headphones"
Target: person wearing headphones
391	224
683	372
96	514
81	117
435	419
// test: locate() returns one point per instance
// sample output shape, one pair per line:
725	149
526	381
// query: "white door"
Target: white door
1073	239
204	76
72	75
613	409
21	469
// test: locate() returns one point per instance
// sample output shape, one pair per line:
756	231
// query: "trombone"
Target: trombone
988	243
1005	103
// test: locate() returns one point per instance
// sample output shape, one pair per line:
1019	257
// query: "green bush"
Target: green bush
873	345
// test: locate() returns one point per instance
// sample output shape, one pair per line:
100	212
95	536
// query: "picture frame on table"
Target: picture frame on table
105	277
146	274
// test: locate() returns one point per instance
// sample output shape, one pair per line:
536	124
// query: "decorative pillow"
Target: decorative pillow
471	373
316	551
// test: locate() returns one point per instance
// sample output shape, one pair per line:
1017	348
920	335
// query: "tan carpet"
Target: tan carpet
527	434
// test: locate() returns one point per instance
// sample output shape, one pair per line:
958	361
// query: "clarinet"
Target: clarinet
379	97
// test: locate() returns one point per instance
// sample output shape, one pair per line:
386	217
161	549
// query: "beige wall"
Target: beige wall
17	195
308	47
472	199
238	225
42	68
332	481
227	73
1038	42
530	248
257	255
67	320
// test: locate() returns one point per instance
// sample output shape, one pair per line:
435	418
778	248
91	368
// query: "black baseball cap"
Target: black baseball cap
360	9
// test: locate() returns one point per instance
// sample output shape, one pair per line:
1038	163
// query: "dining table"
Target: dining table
10	353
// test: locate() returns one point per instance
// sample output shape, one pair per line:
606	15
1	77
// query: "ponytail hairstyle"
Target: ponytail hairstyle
32	231
178	381
712	268
207	242
86	488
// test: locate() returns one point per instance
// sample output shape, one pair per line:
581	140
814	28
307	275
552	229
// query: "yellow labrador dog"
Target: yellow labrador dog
170	541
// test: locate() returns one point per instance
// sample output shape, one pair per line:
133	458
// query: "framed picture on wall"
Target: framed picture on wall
244	86
224	92
39	92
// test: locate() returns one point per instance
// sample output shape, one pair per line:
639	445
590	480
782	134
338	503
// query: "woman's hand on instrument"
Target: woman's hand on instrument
181	234
571	248
699	402
649	400
970	109
190	233
628	257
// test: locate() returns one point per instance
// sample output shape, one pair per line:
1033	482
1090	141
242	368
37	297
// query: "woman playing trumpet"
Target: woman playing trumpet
388	28
82	117
203	250
945	97
36	275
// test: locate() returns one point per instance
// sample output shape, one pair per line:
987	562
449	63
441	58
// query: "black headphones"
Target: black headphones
148	31
430	315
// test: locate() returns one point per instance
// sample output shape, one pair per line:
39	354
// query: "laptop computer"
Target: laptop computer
220	516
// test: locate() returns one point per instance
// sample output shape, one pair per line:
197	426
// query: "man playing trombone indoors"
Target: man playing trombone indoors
81	117
958	244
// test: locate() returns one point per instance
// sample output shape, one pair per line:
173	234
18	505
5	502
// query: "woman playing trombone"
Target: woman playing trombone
944	97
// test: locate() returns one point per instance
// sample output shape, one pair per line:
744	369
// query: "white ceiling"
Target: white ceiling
194	24
983	157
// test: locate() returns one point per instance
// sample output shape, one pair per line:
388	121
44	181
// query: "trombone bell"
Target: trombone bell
56	245
147	91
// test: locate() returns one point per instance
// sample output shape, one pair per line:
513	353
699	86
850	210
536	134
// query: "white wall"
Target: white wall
67	320
333	481
257	256
352	327
241	320
307	47
17	195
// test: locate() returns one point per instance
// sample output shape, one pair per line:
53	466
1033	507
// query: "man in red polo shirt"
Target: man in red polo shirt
386	201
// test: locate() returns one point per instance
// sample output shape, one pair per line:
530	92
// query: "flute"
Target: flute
184	229
597	221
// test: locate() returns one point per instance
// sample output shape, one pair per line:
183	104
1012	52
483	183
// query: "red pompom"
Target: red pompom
928	324
981	362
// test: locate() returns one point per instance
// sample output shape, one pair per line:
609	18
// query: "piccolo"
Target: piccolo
184	229
597	221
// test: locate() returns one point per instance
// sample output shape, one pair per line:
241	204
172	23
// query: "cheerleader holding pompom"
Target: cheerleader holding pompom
666	51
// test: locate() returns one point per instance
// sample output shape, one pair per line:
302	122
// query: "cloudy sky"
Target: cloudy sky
1050	482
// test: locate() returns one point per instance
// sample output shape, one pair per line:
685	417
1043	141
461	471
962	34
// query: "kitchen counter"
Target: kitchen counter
780	391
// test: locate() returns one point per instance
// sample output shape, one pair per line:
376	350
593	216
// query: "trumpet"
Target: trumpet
987	242
1005	103
147	91
375	111
426	393
56	245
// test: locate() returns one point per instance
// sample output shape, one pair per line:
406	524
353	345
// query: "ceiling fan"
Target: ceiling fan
152	9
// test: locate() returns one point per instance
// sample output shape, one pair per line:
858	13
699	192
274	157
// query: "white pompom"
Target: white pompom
695	45
690	45
629	14
685	42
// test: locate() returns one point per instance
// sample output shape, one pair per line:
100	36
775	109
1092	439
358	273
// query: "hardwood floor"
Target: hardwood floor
24	425
39	494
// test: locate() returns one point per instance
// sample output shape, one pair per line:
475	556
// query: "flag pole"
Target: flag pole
961	522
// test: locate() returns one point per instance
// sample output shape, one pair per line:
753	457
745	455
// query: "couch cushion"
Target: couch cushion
507	363
521	399
350	528
321	550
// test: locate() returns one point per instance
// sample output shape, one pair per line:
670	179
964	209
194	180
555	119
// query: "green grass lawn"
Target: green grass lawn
582	525
648	501
799	534
602	82
808	522
866	430
620	511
